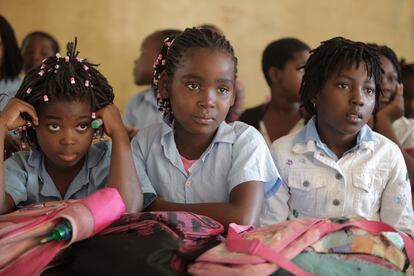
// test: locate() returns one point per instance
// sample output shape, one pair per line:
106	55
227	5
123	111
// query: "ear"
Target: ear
273	73
164	85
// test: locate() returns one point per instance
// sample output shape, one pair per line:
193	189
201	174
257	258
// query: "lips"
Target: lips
67	157
204	119
354	117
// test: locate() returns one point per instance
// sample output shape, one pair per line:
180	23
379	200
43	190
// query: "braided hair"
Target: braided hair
68	78
331	57
172	52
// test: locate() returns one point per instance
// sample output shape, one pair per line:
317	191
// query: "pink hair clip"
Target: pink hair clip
45	98
87	82
67	59
43	66
86	68
93	115
28	91
72	80
41	72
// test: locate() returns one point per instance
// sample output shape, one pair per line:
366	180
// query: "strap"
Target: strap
371	226
257	248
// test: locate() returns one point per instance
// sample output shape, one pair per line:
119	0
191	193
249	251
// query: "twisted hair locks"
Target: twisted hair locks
331	57
172	52
68	78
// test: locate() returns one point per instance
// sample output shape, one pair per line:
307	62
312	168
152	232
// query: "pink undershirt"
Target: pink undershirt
187	163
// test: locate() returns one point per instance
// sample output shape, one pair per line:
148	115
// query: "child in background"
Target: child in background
37	46
10	63
281	115
194	160
54	108
142	109
389	120
336	166
407	75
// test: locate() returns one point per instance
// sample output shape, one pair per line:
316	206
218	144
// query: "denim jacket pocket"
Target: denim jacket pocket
367	188
307	193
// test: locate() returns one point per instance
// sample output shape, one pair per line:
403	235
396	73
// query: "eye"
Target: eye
53	127
370	91
82	126
223	91
343	86
193	86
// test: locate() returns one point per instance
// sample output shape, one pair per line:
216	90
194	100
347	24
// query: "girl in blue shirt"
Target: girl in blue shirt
54	109
194	160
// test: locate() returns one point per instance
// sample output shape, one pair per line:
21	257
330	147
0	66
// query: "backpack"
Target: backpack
21	231
266	249
147	243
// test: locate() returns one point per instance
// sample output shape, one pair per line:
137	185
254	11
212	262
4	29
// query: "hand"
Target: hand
11	117
395	107
112	122
132	131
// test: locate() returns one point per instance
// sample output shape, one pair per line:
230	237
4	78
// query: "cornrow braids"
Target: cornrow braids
68	78
331	57
172	52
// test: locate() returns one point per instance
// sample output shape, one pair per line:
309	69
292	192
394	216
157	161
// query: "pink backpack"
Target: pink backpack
265	250
21	231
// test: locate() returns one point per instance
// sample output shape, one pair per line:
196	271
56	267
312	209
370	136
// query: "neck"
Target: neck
336	141
192	147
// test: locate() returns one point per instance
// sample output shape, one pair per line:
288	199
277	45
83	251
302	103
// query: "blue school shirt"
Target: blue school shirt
370	180
27	181
142	110
237	154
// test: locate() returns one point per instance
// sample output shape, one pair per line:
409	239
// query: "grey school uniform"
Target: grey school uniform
27	180
237	154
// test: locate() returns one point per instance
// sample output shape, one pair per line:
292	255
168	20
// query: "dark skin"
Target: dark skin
201	92
64	135
282	113
352	93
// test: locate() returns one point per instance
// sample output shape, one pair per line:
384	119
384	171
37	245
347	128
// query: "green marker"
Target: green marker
97	123
63	231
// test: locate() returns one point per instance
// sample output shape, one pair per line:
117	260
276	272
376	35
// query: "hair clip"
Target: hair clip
28	91
72	80
58	55
79	59
93	115
45	98
155	81
85	67
43	66
97	123
87	82
57	66
66	59
163	62
43	61
41	72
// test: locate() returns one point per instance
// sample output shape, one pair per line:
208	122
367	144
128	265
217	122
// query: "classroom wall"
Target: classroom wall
110	31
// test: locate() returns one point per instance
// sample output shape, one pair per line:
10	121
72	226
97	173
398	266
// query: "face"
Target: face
143	65
64	133
201	91
409	97
289	78
389	81
345	103
36	49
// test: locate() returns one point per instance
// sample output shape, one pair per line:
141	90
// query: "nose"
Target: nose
207	98
68	137
357	97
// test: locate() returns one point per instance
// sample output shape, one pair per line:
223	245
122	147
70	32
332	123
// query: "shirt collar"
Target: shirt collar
93	157
149	96
308	140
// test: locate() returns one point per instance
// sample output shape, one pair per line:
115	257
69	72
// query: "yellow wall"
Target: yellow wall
110	31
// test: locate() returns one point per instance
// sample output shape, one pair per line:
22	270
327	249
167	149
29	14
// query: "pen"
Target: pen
63	231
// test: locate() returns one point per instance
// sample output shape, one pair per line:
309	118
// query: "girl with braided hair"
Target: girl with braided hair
194	160
336	166
53	110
